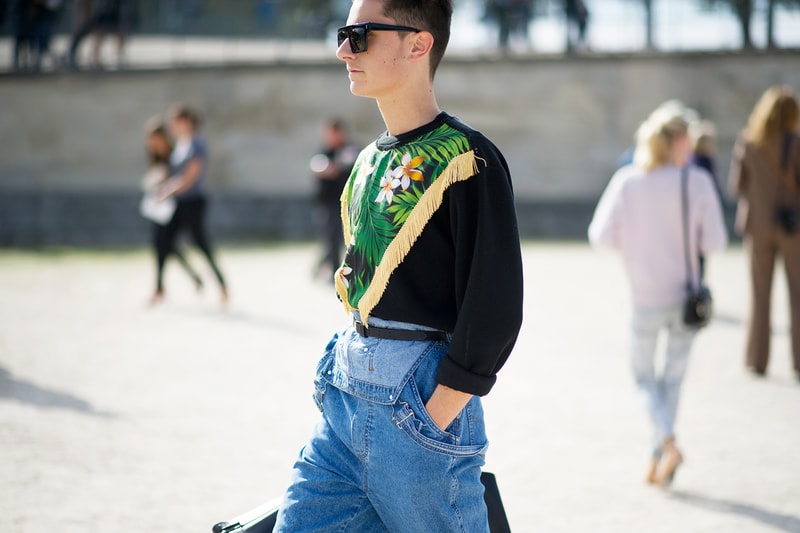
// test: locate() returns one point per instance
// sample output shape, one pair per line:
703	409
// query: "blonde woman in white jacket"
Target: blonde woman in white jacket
640	216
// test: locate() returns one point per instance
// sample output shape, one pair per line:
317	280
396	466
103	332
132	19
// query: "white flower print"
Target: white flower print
388	184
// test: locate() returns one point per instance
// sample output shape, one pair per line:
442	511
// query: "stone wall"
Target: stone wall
71	153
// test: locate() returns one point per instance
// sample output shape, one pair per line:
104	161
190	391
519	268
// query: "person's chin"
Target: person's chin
359	89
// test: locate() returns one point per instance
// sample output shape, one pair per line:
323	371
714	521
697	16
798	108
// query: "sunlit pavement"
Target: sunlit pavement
117	417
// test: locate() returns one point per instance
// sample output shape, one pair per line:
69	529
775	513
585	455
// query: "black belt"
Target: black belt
399	334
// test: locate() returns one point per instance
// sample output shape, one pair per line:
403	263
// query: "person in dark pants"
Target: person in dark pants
331	167
578	16
107	16
159	148
765	176
34	21
187	184
25	54
511	16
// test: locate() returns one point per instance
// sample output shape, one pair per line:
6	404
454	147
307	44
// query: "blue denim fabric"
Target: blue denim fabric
661	387
376	461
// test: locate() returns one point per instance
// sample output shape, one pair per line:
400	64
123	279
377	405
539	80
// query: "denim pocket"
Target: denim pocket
319	393
464	437
323	368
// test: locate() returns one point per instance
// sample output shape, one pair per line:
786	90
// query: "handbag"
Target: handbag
158	211
788	216
698	303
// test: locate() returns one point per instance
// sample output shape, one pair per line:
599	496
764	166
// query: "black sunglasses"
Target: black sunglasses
357	34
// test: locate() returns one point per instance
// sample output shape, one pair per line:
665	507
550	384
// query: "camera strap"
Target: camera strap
685	219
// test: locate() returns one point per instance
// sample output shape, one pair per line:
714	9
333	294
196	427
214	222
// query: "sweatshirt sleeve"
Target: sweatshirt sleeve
488	276
604	229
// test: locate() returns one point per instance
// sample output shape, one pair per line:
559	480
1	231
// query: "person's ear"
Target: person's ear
421	45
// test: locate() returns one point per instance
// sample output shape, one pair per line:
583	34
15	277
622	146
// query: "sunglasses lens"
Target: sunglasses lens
341	36
358	40
357	37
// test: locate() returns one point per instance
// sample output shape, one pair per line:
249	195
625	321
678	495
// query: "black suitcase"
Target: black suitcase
262	518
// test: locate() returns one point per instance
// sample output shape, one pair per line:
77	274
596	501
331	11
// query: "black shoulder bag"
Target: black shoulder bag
698	305
788	216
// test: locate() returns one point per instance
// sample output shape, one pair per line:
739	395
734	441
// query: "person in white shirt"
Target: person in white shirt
640	216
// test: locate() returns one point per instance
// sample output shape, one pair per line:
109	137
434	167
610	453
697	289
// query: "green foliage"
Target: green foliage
376	231
404	202
438	147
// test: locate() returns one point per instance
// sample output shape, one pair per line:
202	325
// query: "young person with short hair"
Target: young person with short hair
432	281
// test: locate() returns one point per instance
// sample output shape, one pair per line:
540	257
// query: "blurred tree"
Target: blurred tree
771	5
649	23
743	9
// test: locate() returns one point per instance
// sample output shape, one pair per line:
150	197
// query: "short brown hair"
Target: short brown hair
429	15
185	112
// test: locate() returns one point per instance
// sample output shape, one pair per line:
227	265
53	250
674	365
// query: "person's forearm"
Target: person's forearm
445	404
181	183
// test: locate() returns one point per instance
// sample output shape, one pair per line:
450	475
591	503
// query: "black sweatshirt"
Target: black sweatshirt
463	274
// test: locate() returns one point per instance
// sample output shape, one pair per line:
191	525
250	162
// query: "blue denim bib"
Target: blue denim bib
373	369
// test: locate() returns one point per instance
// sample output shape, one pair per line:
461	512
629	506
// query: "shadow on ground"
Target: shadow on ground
29	393
779	521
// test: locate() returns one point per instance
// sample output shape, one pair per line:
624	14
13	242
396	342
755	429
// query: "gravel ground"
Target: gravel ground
117	417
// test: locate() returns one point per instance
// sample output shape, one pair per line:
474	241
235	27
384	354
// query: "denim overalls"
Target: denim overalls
376	461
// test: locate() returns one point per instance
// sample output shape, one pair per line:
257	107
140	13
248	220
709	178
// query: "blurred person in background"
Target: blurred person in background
704	151
104	17
640	216
765	175
577	21
158	145
187	185
34	22
704	148
674	106
331	167
512	17
23	16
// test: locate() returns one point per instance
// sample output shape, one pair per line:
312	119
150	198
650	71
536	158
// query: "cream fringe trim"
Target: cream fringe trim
460	168
338	278
345	218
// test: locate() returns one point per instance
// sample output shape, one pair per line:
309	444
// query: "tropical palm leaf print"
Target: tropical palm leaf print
439	146
384	189
404	203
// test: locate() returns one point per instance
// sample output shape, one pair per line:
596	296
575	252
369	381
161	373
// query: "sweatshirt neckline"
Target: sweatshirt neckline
387	142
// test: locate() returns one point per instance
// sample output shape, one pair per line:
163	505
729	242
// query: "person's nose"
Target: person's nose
344	52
